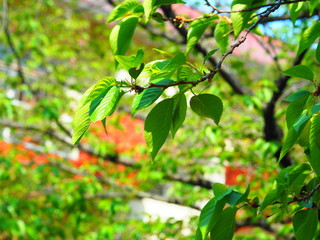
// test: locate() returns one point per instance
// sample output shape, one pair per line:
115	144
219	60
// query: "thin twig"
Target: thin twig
11	44
216	69
252	8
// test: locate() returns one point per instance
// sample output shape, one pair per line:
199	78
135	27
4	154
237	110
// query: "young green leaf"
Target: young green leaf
240	19
81	122
107	104
305	224
207	105
122	9
209	54
195	32
157	126
221	34
149	6
312	5
148	96
224	228
179	112
308	37
100	87
295	10
128	62
168	2
166	69
209	215
121	35
315	143
300	71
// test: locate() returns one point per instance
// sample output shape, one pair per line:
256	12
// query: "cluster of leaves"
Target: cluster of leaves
168	115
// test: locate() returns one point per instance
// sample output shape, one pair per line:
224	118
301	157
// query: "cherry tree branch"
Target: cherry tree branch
215	9
218	66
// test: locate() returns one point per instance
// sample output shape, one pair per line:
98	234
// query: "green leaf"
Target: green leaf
234	198
121	35
135	72
294	110
148	9
305	224
300	71
198	234
207	105
122	9
128	62
304	136
318	52
148	96
179	112
168	2
221	190
312	5
271	197
315	143
81	122
240	19
209	215
295	10
221	35
166	69
308	37
99	88
297	95
315	108
185	73
157	125
195	32
300	121
209	54
224	229
107	104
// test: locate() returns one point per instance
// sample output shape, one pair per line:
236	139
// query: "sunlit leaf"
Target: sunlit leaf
300	71
122	9
221	34
195	32
107	104
121	35
81	122
308	37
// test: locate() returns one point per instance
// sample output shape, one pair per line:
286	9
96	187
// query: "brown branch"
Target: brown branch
218	66
252	8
